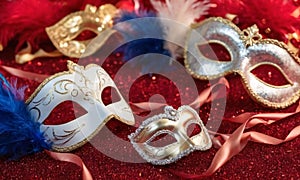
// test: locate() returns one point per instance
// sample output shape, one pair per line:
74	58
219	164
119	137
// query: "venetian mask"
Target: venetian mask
247	51
64	33
84	86
175	123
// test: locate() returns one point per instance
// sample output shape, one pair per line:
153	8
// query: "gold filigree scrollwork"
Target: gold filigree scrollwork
66	137
98	20
251	35
248	51
83	86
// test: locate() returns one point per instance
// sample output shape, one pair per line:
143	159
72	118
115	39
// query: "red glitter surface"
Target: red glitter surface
255	161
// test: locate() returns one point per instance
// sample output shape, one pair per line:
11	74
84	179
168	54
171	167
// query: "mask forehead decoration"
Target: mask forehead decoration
175	123
64	33
247	51
84	86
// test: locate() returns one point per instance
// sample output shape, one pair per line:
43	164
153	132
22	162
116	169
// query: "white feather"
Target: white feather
184	12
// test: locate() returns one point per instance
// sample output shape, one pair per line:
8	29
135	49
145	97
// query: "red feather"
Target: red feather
273	17
26	20
223	7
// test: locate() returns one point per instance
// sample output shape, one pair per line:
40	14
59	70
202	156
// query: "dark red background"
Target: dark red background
255	161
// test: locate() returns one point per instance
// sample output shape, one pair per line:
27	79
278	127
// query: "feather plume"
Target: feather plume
274	18
182	14
224	7
137	35
183	11
26	20
19	134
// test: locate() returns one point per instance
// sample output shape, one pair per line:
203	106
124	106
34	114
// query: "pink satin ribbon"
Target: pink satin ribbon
236	142
239	139
72	158
205	97
25	74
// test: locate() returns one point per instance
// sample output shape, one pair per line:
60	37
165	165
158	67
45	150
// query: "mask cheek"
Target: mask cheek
116	104
266	93
272	96
73	134
194	130
157	146
197	135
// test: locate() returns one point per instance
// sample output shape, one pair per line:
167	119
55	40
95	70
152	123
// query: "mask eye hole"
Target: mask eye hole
256	38
271	74
193	129
245	33
65	112
85	35
162	140
110	95
214	51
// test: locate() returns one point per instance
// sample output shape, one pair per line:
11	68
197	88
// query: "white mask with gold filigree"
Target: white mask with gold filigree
83	86
248	51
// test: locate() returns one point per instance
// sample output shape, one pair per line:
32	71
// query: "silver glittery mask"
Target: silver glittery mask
175	123
248	51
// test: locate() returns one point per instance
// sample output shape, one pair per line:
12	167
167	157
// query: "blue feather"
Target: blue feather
19	134
139	35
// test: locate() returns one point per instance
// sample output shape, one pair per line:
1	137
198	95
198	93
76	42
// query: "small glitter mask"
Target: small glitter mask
83	86
248	51
64	33
175	123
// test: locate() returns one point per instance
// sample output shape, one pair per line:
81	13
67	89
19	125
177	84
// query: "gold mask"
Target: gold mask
64	33
248	51
175	123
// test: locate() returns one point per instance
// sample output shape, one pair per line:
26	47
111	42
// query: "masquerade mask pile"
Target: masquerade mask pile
248	51
175	123
83	86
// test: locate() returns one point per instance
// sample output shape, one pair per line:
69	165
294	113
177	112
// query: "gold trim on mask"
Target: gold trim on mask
99	21
174	123
53	91
25	54
87	139
244	45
